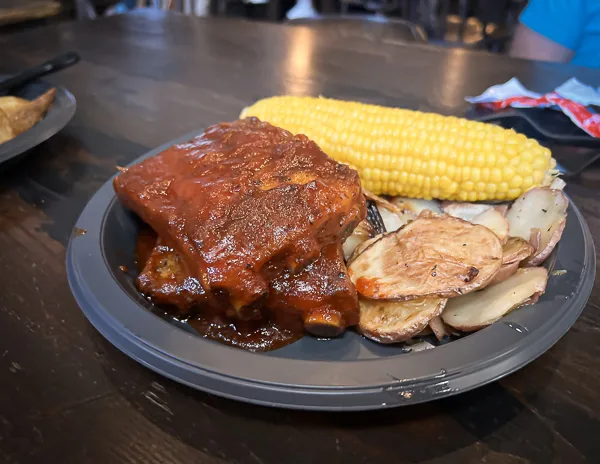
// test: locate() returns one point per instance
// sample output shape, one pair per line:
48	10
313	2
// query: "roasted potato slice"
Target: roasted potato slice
23	114
480	309
491	216
515	250
392	216
416	205
542	209
362	247
438	328
494	220
432	256
363	232
558	184
397	321
466	211
504	273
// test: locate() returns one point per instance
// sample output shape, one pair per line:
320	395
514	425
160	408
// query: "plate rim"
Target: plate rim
50	125
315	397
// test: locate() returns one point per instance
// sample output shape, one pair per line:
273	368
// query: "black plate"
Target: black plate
60	113
348	373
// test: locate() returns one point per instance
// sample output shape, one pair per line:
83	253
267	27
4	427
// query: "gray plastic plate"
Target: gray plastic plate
348	373
57	117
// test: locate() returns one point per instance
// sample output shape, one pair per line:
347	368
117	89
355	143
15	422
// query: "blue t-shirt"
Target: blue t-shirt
574	24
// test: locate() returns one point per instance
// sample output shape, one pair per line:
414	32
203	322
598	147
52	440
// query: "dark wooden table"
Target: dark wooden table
68	396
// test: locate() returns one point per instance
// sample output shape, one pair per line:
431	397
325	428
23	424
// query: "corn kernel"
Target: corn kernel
514	193
467	186
508	172
496	175
485	174
491	188
516	181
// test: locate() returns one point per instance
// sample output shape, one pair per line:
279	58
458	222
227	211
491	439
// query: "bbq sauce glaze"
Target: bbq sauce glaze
257	335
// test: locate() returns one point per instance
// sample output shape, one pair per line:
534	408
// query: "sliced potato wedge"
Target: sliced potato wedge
544	209
362	247
416	205
558	184
466	211
480	309
502	209
393	216
516	250
491	216
504	273
394	321
432	256
438	328
495	221
535	239
425	332
362	233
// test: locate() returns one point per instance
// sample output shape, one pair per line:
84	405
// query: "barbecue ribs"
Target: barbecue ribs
320	299
243	204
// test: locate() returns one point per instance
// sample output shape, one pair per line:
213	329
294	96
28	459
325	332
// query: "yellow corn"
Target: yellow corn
415	154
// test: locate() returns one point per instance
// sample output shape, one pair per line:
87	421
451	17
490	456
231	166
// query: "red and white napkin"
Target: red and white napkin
572	98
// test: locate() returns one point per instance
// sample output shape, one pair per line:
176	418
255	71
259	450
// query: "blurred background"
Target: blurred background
477	24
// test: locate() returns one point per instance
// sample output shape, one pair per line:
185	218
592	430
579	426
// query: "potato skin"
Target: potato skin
438	256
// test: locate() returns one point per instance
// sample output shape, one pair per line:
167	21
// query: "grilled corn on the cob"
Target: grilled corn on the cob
415	154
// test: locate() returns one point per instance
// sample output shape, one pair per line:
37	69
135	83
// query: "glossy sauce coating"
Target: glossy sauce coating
163	278
258	335
321	296
243	203
319	299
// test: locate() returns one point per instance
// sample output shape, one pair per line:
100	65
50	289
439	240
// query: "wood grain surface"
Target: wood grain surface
68	396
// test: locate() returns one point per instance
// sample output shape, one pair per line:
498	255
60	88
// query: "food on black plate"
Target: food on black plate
363	232
491	216
258	236
18	115
249	218
319	299
539	216
166	278
432	256
479	309
397	321
243	203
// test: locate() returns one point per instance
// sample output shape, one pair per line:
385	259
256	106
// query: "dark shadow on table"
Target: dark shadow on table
60	175
214	425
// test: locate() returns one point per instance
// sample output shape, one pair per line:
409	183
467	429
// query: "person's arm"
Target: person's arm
549	30
531	45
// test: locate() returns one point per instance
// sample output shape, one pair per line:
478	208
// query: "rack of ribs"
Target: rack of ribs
245	205
320	299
